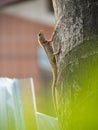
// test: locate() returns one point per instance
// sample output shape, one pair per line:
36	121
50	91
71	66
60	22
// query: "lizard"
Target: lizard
49	50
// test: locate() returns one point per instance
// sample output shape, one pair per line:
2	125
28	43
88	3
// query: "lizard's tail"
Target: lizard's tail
54	86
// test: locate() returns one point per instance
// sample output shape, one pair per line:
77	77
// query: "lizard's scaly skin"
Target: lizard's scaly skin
48	48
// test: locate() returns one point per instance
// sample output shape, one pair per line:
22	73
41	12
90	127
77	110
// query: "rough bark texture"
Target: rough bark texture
76	22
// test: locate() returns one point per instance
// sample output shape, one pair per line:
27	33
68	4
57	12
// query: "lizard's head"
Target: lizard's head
40	34
41	37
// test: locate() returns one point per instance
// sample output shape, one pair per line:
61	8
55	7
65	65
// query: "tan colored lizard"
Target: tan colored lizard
48	48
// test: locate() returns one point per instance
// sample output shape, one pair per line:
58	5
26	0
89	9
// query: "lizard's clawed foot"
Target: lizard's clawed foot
57	52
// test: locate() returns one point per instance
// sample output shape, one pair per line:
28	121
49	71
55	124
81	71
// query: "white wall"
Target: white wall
33	10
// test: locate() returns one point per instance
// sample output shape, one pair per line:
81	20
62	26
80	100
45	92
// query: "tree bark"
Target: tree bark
76	21
76	31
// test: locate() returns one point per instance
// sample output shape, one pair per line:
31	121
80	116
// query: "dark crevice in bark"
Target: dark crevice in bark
90	18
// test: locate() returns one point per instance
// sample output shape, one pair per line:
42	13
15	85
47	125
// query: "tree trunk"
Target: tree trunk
76	31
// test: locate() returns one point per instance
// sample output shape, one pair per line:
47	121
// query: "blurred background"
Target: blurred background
20	54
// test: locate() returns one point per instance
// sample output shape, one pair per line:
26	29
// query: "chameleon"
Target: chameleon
49	50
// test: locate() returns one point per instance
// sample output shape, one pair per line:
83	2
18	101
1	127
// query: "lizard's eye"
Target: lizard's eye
39	34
